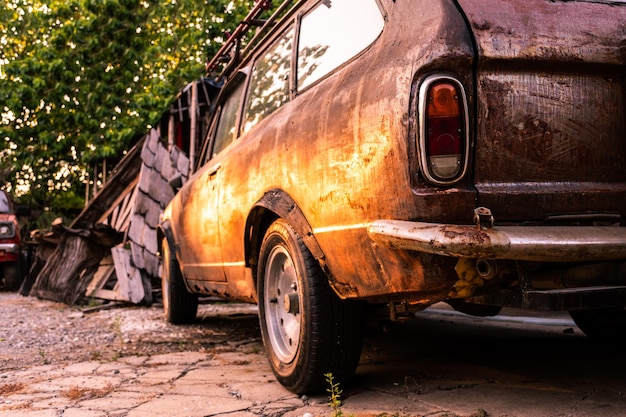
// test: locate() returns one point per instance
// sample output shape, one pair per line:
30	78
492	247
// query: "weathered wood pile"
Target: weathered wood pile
110	251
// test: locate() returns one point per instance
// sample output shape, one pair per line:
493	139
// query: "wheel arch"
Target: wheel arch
164	231
276	204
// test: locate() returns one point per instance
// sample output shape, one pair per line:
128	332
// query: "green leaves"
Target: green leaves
81	79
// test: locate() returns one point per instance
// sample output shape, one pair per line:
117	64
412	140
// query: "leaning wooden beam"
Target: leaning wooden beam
121	180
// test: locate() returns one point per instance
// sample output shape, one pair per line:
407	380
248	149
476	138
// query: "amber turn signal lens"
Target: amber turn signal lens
443	101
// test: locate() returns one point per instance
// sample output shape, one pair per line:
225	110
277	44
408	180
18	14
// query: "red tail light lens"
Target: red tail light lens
443	134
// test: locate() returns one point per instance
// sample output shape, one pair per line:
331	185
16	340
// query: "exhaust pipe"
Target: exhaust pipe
590	275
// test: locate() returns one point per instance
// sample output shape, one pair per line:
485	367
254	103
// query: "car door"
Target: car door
201	252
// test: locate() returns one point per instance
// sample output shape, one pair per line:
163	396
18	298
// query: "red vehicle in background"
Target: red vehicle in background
10	244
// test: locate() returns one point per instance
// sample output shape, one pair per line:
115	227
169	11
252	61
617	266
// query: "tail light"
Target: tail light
444	139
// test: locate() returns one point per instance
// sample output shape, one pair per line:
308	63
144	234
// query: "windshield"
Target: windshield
5	206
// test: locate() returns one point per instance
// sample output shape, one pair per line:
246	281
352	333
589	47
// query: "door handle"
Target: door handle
213	170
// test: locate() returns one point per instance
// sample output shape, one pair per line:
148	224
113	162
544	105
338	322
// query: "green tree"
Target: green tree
80	80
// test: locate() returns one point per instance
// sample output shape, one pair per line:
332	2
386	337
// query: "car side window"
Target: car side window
332	33
269	81
226	131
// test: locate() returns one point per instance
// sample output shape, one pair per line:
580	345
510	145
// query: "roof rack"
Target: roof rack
230	52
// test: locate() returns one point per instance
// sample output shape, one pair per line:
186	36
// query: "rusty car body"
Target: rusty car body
469	151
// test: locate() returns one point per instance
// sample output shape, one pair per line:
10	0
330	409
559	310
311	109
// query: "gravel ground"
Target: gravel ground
441	364
56	333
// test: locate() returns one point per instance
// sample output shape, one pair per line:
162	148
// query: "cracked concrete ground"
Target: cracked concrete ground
57	360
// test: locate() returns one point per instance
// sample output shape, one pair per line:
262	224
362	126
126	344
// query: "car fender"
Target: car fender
277	203
164	230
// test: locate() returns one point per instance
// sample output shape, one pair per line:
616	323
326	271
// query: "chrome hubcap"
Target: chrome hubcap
282	304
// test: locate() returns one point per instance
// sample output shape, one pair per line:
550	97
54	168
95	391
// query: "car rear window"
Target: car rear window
332	33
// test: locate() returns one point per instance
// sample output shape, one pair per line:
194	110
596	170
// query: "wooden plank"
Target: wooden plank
147	154
102	276
182	163
152	264
117	201
137	252
108	295
135	231
129	285
126	208
166	169
149	241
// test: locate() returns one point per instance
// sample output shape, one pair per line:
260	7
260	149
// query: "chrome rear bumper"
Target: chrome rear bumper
527	243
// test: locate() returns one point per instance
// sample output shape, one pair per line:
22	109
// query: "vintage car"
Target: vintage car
403	153
10	244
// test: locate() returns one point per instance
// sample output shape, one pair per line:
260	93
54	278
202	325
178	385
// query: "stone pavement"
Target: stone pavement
443	365
185	384
175	384
234	381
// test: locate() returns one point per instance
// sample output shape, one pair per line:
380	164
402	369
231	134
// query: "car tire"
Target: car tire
603	324
12	276
180	306
307	330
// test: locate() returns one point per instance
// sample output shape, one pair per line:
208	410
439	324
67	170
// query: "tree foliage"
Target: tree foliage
80	80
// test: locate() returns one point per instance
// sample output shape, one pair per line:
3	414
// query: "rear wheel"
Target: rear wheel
606	323
180	305
12	275
307	331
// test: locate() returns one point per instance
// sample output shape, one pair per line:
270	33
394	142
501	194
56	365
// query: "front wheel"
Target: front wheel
604	324
307	330
12	275
180	305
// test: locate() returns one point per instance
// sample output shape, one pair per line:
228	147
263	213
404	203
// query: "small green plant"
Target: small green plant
117	328
93	302
42	353
334	398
